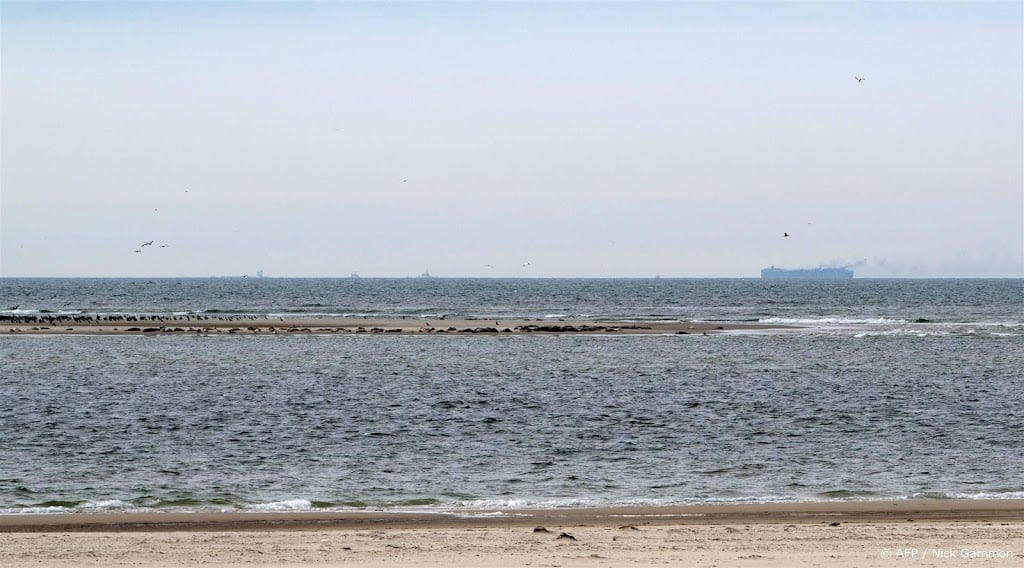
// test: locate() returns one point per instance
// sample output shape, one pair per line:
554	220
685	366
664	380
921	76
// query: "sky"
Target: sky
511	139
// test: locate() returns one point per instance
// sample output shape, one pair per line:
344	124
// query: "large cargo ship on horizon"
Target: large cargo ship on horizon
819	273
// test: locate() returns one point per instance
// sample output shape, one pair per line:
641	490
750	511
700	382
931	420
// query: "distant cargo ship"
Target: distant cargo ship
807	273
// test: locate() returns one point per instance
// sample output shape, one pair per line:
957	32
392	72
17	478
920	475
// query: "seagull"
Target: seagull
138	250
859	79
163	246
785	234
147	244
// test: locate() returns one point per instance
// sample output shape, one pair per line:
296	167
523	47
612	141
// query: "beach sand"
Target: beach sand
865	533
261	325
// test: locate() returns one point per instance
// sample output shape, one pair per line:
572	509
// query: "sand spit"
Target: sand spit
257	325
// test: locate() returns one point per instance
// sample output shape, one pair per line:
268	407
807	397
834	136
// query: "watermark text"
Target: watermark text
951	553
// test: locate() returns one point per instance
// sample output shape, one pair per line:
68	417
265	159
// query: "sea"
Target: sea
876	389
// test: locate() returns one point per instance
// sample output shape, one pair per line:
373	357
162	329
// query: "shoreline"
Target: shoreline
815	512
151	325
837	534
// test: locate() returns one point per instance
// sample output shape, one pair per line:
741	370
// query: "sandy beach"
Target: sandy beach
270	325
866	533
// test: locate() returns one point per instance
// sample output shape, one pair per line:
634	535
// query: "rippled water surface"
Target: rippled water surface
868	405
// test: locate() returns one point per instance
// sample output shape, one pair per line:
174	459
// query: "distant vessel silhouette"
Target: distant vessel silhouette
819	273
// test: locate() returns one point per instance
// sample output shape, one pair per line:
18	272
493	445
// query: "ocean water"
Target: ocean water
887	389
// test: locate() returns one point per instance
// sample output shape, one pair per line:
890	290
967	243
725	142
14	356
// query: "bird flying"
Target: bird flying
859	79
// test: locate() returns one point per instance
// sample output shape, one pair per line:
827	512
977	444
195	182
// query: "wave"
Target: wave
885	326
284	506
471	506
984	495
20	312
833	320
905	332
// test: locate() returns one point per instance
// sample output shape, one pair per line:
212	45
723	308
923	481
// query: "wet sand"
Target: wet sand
868	533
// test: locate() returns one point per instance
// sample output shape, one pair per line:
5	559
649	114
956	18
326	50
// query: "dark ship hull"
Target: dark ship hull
807	273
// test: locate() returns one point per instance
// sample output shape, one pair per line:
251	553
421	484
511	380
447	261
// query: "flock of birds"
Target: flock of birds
149	244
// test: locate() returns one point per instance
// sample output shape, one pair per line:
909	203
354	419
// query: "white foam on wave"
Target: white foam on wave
901	332
482	515
525	503
584	502
20	312
589	502
105	504
315	315
502	507
287	505
36	510
983	495
514	504
834	320
934	331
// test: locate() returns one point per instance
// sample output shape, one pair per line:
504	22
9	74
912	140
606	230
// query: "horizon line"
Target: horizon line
433	277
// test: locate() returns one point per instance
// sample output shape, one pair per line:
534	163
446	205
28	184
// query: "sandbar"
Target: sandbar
275	325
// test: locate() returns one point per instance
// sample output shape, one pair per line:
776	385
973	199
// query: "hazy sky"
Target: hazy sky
511	139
